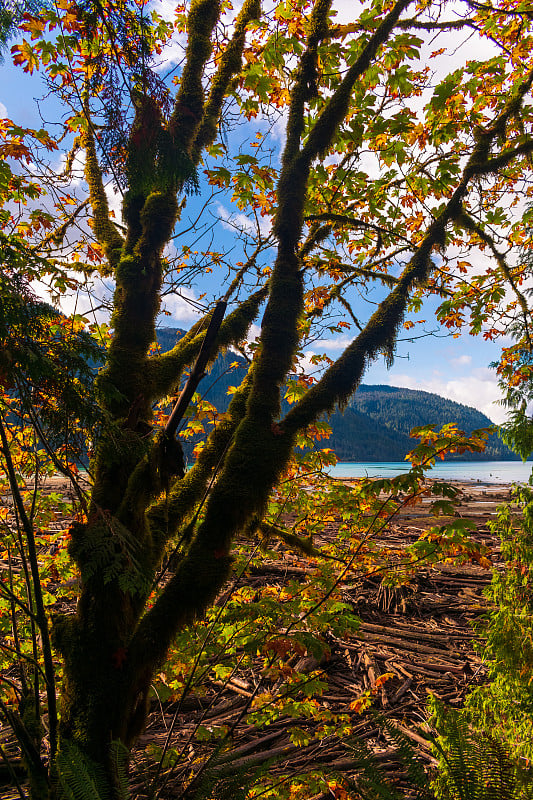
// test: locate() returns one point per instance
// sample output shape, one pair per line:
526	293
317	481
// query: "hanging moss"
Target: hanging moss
154	162
163	372
229	66
103	228
118	452
143	143
188	110
131	211
379	336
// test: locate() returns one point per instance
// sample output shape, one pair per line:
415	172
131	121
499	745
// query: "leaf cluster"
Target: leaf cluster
48	362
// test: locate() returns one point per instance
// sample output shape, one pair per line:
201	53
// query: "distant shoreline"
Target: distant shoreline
472	473
471	484
516	460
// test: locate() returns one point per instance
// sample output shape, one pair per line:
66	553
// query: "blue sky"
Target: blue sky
457	368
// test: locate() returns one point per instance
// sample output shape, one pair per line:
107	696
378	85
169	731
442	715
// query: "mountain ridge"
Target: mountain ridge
376	423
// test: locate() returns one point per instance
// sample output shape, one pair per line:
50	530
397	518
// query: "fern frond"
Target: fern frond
110	553
473	765
119	758
407	755
79	778
216	782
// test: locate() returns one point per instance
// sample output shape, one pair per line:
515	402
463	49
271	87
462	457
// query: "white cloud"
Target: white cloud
114	200
3	111
461	361
278	128
77	171
338	343
254	332
305	364
92	301
182	306
174	50
346	11
479	389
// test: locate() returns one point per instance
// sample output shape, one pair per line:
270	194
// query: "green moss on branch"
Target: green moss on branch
189	106
305	84
321	135
163	372
295	542
230	66
379	335
105	232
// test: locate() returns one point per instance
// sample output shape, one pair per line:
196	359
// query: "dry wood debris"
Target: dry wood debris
421	634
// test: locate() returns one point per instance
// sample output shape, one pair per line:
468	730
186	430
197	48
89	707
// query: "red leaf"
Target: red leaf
119	657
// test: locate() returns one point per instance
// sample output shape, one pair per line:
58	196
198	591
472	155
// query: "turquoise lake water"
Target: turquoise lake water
485	472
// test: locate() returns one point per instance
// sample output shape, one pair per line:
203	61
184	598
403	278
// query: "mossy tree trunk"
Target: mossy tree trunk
140	499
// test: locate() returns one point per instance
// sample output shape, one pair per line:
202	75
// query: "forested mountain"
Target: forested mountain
376	424
386	414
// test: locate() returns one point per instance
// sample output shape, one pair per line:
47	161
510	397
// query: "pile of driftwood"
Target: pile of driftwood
421	635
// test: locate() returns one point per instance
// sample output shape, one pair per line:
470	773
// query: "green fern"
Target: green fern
371	782
80	778
119	758
108	554
472	765
497	764
408	757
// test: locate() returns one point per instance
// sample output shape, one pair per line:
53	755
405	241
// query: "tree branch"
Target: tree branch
230	66
494	165
105	232
466	221
342	378
258	454
168	516
182	599
206	354
350	222
41	619
336	108
189	106
163	372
